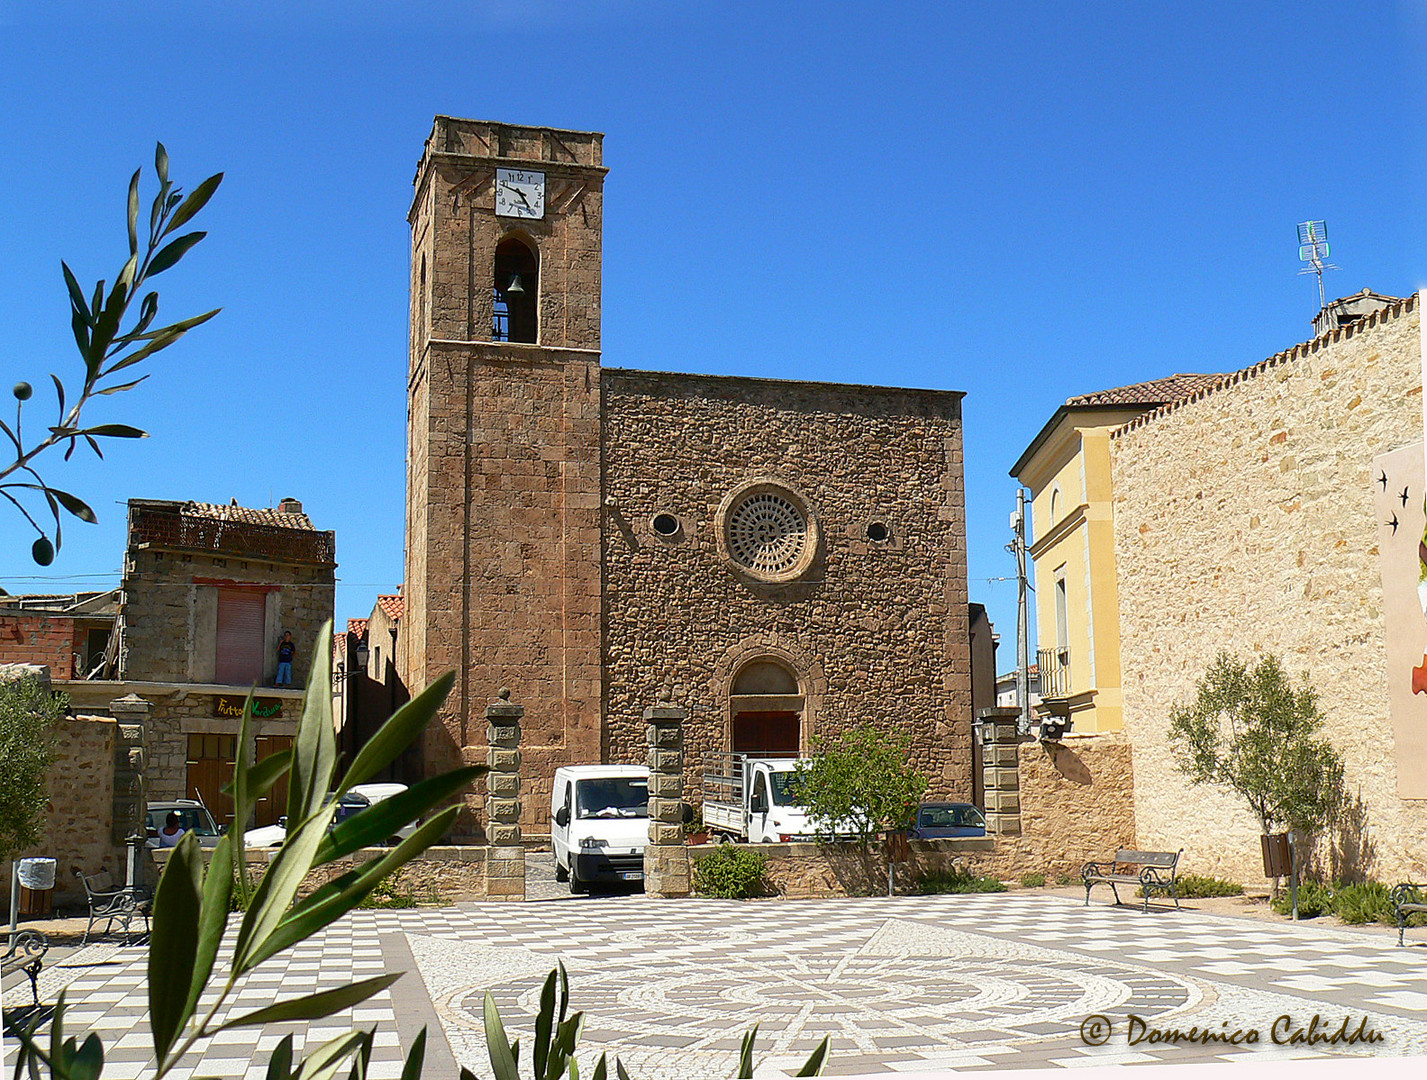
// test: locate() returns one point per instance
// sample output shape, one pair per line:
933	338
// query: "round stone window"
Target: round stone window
767	532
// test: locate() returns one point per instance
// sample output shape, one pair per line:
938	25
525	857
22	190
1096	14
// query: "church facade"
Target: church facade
784	559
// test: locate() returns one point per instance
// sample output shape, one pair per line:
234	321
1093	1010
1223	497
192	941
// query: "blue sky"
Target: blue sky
1021	202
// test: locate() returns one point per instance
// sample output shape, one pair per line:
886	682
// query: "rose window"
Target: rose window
767	533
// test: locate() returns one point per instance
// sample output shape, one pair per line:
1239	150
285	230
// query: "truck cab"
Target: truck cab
599	824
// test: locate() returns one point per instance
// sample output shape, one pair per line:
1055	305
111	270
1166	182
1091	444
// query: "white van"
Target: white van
599	824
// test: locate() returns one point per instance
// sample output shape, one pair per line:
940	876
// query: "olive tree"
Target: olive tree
28	711
1251	731
859	783
109	342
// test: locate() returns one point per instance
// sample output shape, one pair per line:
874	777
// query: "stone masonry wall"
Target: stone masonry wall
1244	521
878	631
170	612
811	871
1077	804
80	787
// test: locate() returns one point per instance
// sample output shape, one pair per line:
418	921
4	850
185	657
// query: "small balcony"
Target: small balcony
1055	673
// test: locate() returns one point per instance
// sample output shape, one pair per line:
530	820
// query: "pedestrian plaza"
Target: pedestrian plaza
908	984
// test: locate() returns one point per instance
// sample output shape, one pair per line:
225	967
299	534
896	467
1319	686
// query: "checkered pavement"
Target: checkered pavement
903	984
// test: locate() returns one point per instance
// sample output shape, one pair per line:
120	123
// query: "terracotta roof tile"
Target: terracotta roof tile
247	515
357	626
1153	392
394	606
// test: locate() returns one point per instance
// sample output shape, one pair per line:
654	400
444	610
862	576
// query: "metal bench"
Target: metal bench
1152	871
1408	899
120	906
26	953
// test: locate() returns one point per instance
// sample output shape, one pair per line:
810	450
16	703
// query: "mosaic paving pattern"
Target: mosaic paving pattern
910	984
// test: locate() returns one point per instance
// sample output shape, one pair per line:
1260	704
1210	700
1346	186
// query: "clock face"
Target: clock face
519	193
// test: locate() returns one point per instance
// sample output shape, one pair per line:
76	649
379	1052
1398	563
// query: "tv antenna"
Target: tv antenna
1313	249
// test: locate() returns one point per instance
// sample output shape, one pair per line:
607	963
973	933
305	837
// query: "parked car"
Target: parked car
274	835
193	817
358	798
936	820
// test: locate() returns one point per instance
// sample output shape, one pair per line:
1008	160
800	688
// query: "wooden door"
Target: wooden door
210	766
766	734
273	805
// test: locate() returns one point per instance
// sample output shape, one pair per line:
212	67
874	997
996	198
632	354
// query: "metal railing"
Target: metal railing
1055	672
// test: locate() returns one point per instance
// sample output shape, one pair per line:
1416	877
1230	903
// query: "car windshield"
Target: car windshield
349	805
949	817
785	788
615	796
192	819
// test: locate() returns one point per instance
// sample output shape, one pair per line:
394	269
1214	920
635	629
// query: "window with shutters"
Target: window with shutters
240	644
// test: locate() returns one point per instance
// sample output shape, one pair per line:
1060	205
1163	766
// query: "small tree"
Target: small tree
1249	730
28	711
860	782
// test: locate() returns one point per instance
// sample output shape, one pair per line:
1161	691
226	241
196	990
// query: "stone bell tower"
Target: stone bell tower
503	580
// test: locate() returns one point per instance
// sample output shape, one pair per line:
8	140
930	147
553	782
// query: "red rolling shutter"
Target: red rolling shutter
240	636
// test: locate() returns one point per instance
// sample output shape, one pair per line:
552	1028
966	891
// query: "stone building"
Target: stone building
68	633
1280	510
783	559
207	593
366	686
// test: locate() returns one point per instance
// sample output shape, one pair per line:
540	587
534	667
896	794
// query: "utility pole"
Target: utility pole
1023	635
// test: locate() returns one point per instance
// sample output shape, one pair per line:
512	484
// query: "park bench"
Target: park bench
26	953
121	906
1152	871
1408	899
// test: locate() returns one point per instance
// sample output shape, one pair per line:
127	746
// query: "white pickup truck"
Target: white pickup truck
751	798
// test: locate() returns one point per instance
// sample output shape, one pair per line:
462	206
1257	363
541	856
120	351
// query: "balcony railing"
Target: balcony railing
1055	673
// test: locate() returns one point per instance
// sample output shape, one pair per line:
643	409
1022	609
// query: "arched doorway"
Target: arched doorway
766	705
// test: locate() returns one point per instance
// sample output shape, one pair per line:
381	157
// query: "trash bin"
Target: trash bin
37	884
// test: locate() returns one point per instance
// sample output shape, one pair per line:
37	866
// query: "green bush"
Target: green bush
1370	901
1066	879
957	881
1033	881
1196	886
730	873
1313	900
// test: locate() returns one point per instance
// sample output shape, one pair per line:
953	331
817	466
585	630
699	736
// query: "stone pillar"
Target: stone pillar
666	859
131	721
1000	769
505	855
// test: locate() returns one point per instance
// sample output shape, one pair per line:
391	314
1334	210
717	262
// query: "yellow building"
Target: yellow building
1072	546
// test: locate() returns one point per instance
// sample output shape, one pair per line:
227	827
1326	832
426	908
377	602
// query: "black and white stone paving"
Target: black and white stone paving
908	984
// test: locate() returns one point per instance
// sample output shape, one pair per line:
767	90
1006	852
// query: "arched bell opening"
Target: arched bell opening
517	292
767	706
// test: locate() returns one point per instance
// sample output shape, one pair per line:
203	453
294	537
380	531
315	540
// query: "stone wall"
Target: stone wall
450	873
1077	803
80	787
807	871
1244	521
170	612
877	632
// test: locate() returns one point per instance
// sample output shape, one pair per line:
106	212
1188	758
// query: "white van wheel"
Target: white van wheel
562	873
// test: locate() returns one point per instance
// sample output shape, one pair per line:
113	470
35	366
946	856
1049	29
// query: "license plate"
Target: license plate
631	875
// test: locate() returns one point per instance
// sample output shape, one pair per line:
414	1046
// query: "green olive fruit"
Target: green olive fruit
23	390
43	551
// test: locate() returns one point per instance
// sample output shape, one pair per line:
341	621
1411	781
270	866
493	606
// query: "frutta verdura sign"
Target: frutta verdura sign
263	708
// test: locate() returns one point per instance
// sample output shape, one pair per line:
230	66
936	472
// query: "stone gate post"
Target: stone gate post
505	854
666	859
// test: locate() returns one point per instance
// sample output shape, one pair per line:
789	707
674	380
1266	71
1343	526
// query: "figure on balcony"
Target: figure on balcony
286	650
